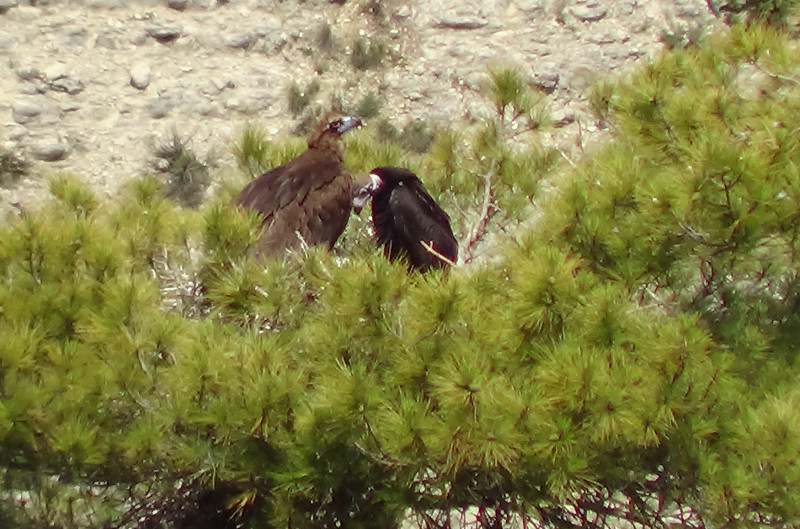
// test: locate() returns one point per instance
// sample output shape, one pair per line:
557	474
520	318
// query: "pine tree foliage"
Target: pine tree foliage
707	154
256	154
626	356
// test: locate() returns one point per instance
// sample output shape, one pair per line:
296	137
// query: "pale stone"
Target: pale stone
140	75
49	149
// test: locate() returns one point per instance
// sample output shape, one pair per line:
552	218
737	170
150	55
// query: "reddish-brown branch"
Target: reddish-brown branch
478	230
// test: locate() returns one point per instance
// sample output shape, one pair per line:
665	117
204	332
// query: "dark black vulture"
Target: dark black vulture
408	223
307	199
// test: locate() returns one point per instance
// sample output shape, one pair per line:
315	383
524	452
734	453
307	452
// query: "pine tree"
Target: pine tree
618	349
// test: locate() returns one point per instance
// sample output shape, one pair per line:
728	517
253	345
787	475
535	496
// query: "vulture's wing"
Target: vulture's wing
419	222
308	198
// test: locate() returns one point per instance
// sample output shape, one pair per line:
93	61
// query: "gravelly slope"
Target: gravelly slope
89	86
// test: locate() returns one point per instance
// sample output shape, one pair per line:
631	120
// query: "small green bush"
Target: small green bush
683	35
324	38
187	176
775	12
12	167
387	131
368	54
374	8
370	106
301	96
416	136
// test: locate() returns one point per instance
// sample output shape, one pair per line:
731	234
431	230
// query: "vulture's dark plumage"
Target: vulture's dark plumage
408	223
308	199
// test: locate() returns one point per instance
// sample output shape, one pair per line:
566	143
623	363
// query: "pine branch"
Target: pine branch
788	78
478	230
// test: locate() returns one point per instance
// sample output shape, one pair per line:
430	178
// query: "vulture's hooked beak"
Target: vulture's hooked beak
347	123
366	188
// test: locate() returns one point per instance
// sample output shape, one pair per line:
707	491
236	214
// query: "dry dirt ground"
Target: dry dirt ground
90	86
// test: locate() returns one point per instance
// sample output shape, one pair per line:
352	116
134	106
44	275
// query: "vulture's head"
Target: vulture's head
364	186
328	133
380	178
341	125
391	177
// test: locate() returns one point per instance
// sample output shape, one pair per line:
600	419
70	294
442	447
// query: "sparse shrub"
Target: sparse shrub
300	97
324	37
370	106
682	35
321	65
775	12
187	176
416	136
367	107
12	167
337	102
374	8
309	119
367	54
387	131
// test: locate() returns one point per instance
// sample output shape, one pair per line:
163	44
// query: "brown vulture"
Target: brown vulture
308	199
408	223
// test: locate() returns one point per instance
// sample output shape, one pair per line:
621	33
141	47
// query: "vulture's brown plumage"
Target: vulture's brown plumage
408	223
307	199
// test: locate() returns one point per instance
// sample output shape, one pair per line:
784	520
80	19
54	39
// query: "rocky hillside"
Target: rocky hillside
91	86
